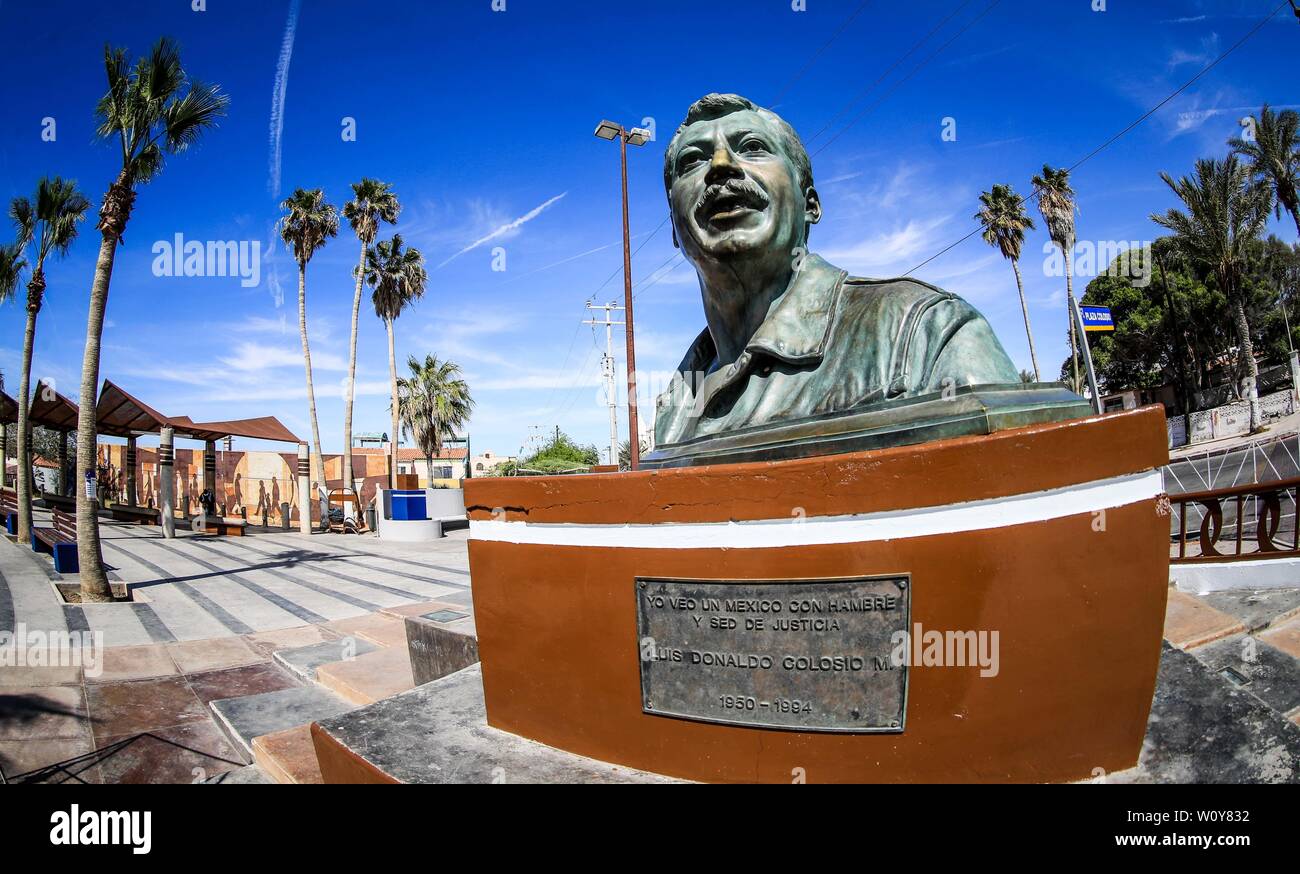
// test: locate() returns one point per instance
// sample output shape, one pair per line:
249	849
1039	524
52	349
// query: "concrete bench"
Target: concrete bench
125	513
218	525
60	540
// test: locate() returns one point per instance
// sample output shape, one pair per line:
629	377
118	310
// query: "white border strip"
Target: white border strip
858	528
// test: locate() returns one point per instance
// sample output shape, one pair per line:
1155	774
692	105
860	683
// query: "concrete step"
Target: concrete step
243	719
1205	729
302	661
440	642
370	677
288	756
438	733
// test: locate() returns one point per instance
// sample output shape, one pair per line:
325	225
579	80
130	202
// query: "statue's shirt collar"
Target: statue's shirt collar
795	334
795	331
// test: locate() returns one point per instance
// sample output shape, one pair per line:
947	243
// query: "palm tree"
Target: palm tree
372	202
1002	213
1056	203
1226	210
11	266
398	277
1274	156
309	221
434	404
151	110
50	226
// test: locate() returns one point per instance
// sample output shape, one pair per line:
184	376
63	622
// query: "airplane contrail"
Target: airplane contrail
506	228
277	95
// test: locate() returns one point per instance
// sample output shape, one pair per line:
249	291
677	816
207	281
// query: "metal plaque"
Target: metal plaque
807	655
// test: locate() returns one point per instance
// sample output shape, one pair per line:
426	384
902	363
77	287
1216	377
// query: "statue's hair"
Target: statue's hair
712	106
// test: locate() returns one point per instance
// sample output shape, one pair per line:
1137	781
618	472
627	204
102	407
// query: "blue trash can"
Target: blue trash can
408	505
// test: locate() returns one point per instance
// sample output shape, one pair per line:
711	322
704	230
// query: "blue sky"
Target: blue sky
483	122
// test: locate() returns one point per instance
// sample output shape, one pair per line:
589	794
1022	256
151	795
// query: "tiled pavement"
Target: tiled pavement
208	615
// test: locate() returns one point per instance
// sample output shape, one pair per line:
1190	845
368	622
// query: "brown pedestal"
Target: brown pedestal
1054	536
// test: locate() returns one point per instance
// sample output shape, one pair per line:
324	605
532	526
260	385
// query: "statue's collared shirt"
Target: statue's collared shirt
832	343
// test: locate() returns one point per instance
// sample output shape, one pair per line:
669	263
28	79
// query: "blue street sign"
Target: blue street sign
1097	319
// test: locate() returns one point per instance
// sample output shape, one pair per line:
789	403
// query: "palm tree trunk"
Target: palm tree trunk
24	423
1024	308
1069	292
392	375
349	481
94	581
318	460
1248	352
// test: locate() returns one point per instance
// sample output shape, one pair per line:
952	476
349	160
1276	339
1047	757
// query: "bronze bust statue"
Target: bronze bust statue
794	344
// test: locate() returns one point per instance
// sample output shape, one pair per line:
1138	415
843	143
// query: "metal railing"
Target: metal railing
1238	522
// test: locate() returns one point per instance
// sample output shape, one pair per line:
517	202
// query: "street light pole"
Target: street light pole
608	130
634	442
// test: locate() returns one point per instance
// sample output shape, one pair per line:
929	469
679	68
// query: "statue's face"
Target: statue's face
735	191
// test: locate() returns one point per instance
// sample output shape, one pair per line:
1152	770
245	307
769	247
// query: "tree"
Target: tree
372	202
625	452
398	278
48	226
560	455
1002	213
150	111
1274	157
1056	203
434	402
1226	210
308	222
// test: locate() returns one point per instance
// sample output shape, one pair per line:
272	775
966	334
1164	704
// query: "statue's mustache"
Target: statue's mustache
748	192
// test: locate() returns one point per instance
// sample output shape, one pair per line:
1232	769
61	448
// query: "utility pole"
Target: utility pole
607	368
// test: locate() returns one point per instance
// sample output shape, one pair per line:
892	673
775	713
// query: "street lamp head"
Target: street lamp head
638	136
607	130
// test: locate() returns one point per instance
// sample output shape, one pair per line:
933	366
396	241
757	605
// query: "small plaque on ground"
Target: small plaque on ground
807	655
445	615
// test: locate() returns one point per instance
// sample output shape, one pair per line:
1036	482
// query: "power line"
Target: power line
804	69
865	91
967	26
1181	88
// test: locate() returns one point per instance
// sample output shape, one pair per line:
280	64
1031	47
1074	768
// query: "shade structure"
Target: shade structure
260	428
8	409
120	414
52	410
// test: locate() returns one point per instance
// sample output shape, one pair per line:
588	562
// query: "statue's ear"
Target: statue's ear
812	206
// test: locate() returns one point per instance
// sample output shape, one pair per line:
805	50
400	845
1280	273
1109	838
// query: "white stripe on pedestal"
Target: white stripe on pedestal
798	530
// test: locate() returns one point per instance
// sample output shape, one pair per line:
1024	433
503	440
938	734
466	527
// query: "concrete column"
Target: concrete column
304	490
65	479
130	471
166	485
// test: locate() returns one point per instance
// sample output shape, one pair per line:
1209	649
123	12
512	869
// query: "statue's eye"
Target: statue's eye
688	158
753	144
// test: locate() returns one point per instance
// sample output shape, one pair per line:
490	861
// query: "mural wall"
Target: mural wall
252	485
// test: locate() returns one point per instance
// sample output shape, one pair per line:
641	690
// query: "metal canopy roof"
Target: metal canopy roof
52	410
119	414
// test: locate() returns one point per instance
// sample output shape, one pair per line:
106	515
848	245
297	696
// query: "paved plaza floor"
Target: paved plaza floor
207	615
